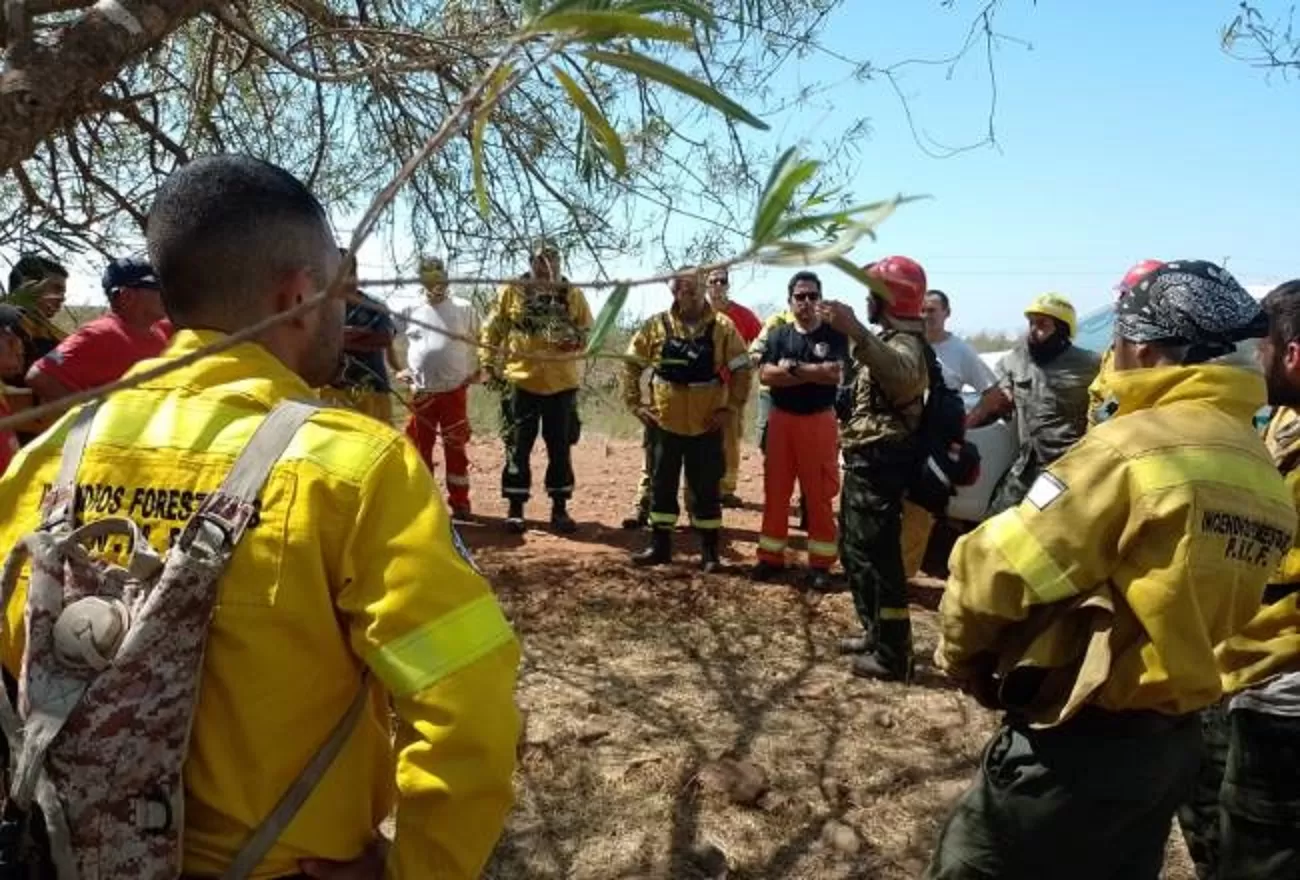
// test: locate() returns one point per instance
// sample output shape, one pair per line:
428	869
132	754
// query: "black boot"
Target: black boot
515	518
874	666
863	644
660	551
709	559
560	519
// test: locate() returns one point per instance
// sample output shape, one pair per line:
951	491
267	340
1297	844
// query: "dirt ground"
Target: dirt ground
635	682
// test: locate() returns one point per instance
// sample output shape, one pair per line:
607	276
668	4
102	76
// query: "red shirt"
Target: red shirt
747	323
100	352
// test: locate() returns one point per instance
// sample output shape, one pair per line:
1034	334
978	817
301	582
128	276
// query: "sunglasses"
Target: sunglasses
718	282
805	297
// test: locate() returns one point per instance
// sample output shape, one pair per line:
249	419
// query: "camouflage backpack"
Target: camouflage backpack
110	674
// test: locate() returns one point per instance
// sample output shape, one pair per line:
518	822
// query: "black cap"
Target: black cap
129	272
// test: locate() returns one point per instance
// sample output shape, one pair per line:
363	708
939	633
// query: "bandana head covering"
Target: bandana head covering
1193	303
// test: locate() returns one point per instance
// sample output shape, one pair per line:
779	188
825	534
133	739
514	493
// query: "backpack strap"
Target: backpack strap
267	833
60	505
230	513
219	524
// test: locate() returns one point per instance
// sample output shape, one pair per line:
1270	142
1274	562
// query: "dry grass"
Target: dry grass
634	681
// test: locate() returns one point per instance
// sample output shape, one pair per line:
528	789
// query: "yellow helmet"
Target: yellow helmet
1053	305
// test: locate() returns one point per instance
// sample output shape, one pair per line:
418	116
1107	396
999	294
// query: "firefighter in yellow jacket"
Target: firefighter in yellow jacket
1090	611
536	326
687	347
1259	799
352	563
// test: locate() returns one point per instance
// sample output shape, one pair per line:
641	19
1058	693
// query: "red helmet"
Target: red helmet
1134	276
905	280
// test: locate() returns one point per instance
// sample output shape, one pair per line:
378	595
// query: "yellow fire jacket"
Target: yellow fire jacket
687	408
1099	388
1165	522
1270	643
353	563
529	320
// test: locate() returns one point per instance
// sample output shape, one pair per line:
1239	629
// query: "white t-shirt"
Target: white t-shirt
438	362
962	365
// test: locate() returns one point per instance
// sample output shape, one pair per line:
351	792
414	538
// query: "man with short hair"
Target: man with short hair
687	347
1045	381
888	378
802	365
1090	611
748	326
962	365
38	287
442	369
348	577
101	350
361	382
538	325
1255	833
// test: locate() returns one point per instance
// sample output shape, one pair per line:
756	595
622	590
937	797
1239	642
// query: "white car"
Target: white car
997	442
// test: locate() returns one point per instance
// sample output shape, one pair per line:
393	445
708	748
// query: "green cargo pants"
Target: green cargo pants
1261	798
1091	798
871	551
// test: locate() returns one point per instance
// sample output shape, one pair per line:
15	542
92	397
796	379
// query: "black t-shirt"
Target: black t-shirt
821	346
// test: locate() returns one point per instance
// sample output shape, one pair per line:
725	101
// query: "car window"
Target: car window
1097	329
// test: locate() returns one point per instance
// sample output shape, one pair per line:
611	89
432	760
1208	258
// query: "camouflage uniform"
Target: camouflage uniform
1051	402
888	378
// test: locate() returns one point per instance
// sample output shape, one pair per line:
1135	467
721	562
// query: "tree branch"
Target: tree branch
56	83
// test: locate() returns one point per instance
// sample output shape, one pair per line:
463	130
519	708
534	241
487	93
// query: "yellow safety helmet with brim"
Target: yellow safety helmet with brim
1053	305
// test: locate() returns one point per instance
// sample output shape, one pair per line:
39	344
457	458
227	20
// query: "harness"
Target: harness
687	361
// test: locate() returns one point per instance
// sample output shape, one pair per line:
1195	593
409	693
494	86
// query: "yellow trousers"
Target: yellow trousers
733	431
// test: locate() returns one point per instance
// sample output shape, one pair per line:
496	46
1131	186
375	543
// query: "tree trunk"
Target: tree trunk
43	88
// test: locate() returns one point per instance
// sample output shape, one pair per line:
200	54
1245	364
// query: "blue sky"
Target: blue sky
1123	132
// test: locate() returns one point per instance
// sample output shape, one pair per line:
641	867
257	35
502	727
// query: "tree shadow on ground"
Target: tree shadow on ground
735	710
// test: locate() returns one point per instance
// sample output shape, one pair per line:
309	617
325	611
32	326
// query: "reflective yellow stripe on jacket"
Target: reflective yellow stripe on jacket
349	561
1172	507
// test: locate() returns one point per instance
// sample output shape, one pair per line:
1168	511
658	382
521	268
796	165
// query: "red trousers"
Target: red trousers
446	412
806	448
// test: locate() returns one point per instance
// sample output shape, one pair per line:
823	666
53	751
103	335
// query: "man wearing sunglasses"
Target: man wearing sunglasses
802	364
532	339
